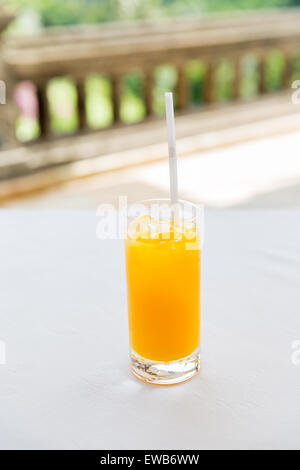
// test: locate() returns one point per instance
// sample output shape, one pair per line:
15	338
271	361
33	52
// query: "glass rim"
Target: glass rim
166	199
197	209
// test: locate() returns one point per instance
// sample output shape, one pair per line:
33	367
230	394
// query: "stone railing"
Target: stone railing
114	50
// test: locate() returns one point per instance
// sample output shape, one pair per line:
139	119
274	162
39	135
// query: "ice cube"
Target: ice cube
144	228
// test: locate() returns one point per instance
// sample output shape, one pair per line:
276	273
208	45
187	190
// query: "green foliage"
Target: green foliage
275	65
195	73
98	102
165	80
224	80
249	86
225	5
62	98
65	12
132	103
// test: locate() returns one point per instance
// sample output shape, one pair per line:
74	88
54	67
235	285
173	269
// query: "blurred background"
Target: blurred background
84	83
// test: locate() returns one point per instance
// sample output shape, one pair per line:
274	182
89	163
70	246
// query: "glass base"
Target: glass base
165	373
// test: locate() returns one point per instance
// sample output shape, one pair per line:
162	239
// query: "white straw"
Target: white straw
172	147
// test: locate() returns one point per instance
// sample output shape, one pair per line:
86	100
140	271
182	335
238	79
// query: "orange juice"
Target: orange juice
163	276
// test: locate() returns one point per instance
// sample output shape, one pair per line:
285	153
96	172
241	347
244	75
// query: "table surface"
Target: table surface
66	382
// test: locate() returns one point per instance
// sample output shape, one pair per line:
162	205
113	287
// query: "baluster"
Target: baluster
11	113
182	89
237	78
262	75
81	104
209	83
44	116
116	98
287	72
148	92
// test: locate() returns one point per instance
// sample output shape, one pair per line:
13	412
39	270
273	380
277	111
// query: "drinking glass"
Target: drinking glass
163	251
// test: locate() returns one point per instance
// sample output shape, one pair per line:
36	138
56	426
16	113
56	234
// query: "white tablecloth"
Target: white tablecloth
66	382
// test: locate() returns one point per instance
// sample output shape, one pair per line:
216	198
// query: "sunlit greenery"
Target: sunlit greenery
132	104
64	12
98	102
63	100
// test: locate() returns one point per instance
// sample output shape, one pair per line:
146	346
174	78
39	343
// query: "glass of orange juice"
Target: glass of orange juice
163	248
